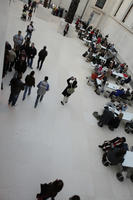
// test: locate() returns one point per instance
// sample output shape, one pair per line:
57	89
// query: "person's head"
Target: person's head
19	33
44	47
58	185
75	197
123	139
32	44
31	22
32	73
45	78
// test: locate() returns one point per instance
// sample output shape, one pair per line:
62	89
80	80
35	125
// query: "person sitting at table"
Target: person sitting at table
111	144
126	81
113	157
115	122
106	117
118	93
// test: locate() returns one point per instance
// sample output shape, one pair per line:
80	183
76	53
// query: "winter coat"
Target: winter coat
42	54
20	66
16	86
43	86
31	52
113	158
30	81
12	56
73	85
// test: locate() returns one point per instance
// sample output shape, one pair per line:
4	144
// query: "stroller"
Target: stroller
129	127
24	15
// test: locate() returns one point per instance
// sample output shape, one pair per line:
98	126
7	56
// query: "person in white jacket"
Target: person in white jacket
43	87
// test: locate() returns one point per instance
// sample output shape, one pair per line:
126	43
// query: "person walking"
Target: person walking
20	66
66	29
30	29
16	86
43	87
34	5
69	90
41	57
18	41
31	53
29	82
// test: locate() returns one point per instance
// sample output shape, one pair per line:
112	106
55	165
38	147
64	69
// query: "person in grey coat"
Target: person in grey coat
43	87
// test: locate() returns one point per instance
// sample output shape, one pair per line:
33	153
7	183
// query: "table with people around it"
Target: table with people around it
111	79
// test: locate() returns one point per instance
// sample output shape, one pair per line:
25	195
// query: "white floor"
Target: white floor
53	141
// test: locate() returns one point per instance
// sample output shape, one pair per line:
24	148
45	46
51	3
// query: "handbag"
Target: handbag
70	90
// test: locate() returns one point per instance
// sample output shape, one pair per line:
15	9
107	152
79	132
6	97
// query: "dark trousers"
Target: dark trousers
40	63
13	99
37	99
65	32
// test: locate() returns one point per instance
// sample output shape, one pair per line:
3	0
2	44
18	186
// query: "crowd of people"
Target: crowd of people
28	10
102	57
22	55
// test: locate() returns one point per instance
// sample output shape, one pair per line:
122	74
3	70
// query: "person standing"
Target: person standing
30	14
12	57
30	29
70	89
16	86
34	5
18	41
66	29
41	57
29	82
43	87
31	55
20	66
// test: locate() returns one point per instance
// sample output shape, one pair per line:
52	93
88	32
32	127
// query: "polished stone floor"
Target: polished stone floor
52	141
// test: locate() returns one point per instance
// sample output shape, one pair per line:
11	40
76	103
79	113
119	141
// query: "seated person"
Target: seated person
118	93
113	157
106	117
128	80
114	123
111	144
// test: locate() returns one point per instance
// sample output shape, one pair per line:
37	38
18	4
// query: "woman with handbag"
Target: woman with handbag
69	90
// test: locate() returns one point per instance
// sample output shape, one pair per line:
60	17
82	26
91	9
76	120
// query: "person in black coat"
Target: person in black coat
31	55
41	57
70	89
29	82
113	157
16	86
20	65
50	190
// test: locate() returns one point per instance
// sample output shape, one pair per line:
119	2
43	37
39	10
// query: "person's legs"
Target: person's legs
38	63
41	98
41	64
36	102
31	62
25	92
14	99
10	98
65	100
29	90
